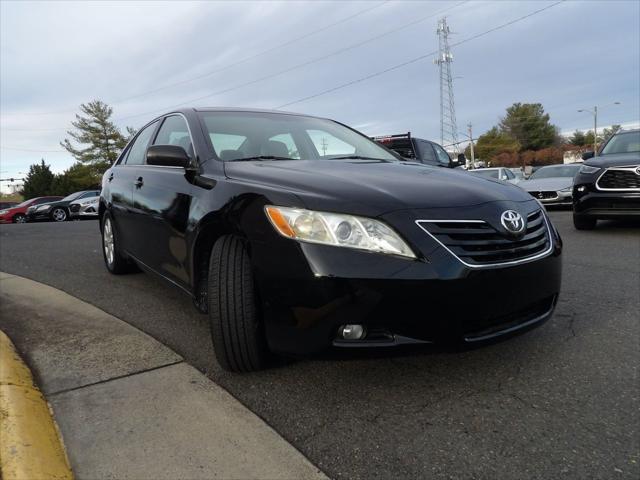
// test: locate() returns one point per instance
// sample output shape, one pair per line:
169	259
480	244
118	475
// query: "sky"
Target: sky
146	58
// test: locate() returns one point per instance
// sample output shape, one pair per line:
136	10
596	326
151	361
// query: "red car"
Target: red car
17	214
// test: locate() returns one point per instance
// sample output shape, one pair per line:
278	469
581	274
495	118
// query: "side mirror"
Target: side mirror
587	155
168	156
461	160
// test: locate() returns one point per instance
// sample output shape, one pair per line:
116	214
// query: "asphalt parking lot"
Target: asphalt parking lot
561	401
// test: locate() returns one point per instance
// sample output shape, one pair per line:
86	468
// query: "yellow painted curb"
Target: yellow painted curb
30	444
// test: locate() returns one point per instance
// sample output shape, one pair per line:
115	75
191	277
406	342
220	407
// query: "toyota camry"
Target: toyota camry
298	235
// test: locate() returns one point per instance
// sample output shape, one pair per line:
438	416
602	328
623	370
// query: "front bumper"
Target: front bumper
309	291
35	216
559	199
589	201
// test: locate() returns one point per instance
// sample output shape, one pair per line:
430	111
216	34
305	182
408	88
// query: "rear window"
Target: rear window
402	146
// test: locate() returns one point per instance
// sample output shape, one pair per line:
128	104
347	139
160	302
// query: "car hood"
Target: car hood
555	183
374	187
615	160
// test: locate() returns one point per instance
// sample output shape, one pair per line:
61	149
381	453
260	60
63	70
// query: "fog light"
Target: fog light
582	188
352	332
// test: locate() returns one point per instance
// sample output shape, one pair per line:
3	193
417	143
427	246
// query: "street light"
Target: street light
594	112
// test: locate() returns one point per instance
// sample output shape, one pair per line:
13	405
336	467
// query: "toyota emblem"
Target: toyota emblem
512	221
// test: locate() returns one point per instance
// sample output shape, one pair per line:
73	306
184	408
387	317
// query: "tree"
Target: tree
38	181
578	139
494	142
100	140
609	132
77	177
529	125
588	139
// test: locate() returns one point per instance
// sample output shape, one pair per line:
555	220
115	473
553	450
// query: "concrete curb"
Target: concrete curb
30	445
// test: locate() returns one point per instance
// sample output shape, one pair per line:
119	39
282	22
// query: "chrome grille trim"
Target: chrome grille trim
483	223
630	169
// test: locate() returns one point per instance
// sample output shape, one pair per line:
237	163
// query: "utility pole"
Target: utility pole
473	158
448	127
594	112
324	145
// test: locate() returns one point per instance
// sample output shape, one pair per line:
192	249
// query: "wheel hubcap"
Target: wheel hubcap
107	237
21	219
59	215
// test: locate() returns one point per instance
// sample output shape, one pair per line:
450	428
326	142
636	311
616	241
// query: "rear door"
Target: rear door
162	199
120	184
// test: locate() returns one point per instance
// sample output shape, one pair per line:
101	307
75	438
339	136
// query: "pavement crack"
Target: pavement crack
107	380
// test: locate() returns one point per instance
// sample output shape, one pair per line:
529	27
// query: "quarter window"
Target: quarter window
138	150
174	131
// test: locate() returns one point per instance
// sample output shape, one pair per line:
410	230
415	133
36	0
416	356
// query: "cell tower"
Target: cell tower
448	127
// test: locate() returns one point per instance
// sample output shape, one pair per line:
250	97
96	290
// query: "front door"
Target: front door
162	198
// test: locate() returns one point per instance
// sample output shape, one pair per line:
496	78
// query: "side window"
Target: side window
42	200
287	140
443	157
174	131
327	145
138	150
426	152
510	175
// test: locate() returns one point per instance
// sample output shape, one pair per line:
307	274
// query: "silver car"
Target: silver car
553	184
497	173
84	208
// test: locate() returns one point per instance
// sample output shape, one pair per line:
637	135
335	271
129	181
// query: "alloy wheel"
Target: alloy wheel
59	215
107	236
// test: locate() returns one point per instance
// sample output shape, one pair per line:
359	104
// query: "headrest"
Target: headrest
275	148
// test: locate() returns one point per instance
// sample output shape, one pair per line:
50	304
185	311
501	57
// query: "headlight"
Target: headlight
568	189
43	208
588	169
337	229
91	202
2	212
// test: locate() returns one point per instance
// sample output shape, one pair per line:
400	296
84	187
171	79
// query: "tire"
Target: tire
19	218
59	214
581	222
115	262
238	337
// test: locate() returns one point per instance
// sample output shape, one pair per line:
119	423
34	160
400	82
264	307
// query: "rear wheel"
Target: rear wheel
582	222
238	338
115	262
19	218
59	214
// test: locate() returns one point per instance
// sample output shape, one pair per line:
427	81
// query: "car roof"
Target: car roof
245	110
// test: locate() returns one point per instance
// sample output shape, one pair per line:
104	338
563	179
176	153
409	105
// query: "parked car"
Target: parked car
608	186
58	211
419	150
298	234
552	184
5	205
496	173
518	173
18	213
86	207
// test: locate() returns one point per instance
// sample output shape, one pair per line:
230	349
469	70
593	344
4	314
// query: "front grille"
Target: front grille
478	244
75	208
544	195
620	179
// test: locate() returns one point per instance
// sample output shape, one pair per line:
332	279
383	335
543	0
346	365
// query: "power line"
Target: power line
278	73
231	65
417	59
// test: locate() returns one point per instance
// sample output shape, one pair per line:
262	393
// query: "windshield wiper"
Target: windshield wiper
357	157
259	157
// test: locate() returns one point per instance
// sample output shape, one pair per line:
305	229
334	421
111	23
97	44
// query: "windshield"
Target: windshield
71	196
238	135
486	173
628	142
555	171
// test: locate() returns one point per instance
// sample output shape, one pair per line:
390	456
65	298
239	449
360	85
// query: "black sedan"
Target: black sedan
298	235
608	186
58	211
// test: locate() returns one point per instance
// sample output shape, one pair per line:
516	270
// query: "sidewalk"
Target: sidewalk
129	407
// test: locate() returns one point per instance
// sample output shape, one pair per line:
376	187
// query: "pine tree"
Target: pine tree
529	125
100	140
38	181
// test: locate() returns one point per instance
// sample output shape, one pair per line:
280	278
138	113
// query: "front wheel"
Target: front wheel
115	262
59	214
238	337
19	218
581	222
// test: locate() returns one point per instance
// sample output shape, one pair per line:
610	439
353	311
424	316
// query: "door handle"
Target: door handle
139	182
110	176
